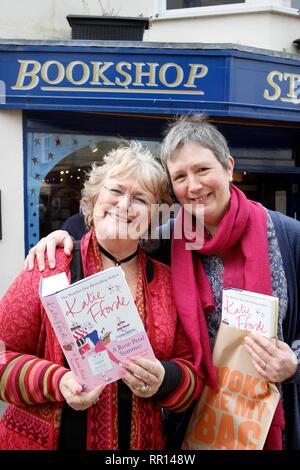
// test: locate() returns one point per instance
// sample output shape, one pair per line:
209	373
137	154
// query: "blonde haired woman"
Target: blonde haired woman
48	408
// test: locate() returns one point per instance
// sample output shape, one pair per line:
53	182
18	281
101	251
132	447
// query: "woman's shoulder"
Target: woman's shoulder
290	225
62	262
75	226
287	232
27	283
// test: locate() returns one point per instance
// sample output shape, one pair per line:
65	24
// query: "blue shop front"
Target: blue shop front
79	100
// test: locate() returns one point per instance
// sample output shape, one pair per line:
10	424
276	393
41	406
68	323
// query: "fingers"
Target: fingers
36	253
274	363
68	244
29	260
50	250
88	399
143	376
47	247
69	385
261	344
148	371
59	238
40	249
74	395
83	400
259	364
133	382
263	350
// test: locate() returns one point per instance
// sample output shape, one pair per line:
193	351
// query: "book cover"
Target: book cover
250	311
96	323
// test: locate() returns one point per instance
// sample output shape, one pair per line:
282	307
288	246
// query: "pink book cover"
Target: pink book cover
96	323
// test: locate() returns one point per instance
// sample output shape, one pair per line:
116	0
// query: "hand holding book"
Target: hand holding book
258	314
274	362
143	376
74	394
96	323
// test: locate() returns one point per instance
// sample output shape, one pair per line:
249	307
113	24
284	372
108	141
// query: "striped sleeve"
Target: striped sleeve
27	379
188	389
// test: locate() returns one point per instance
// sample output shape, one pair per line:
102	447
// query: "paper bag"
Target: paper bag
237	416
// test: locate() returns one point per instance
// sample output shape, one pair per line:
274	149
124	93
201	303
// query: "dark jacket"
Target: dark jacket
288	236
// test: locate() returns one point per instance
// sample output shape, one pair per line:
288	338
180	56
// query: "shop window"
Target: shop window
57	165
178	4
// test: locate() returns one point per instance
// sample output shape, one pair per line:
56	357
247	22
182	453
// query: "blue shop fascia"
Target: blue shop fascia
81	98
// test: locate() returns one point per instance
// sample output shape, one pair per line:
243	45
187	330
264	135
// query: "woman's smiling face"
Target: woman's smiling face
122	209
199	178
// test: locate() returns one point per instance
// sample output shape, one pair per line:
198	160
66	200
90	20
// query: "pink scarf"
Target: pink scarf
242	239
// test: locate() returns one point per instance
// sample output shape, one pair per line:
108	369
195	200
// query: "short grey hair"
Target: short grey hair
194	128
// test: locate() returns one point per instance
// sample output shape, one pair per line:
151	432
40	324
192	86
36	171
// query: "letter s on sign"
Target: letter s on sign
275	86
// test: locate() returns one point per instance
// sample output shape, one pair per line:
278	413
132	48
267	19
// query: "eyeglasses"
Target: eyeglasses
135	200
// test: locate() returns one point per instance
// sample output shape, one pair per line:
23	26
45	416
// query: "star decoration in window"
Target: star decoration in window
35	160
57	141
37	141
50	156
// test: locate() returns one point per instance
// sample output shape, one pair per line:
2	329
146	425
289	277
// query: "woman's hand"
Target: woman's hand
75	396
275	363
143	377
59	238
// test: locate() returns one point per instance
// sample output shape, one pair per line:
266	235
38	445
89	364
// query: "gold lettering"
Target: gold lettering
294	85
294	77
60	72
126	75
277	89
98	72
163	71
140	73
23	73
195	73
85	74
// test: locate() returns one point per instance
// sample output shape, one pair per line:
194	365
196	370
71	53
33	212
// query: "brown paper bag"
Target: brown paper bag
237	416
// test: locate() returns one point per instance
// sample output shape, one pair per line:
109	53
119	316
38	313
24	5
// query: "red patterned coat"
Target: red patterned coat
32	366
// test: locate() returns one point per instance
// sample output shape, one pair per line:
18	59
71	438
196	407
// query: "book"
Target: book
250	311
97	324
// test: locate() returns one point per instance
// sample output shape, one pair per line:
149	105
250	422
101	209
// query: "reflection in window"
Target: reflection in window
177	4
56	170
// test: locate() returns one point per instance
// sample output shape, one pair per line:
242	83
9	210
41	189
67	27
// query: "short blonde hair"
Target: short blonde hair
121	162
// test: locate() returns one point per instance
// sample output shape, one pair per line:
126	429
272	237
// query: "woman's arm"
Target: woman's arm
27	374
190	382
173	384
26	377
73	229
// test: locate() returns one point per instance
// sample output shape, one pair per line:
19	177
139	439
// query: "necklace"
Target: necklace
116	261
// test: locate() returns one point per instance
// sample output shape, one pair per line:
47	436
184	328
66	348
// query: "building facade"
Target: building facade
64	103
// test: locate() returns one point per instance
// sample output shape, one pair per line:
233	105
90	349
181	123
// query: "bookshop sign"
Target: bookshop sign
149	80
